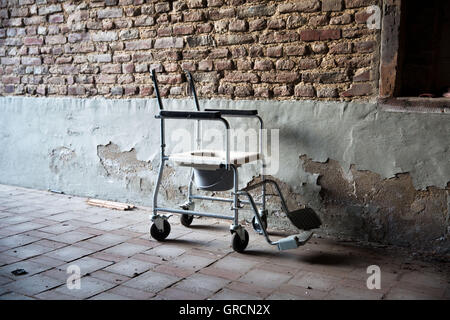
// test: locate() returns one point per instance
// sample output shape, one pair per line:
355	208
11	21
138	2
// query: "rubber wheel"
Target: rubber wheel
256	225
186	219
158	235
239	244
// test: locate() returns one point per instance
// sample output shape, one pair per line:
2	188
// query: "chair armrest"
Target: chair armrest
233	112
188	115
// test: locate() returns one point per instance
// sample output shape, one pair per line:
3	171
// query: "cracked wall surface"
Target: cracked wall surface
371	174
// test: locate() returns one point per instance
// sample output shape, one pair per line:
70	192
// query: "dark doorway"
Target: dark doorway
424	54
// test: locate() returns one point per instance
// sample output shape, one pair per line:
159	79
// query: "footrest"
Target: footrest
294	241
304	219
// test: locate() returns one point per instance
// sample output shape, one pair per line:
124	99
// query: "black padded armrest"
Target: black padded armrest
188	115
231	112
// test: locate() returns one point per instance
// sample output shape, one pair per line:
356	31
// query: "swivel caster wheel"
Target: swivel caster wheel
257	227
186	219
239	244
159	235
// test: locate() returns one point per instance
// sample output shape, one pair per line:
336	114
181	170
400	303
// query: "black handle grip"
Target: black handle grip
231	112
188	115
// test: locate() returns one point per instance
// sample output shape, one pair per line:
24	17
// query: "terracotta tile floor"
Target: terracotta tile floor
46	233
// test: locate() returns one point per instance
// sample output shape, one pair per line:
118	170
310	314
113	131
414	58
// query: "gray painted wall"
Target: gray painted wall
57	143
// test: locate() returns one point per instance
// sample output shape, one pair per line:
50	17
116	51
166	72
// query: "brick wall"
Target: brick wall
304	49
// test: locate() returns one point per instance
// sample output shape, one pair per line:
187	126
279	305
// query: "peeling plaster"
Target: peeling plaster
59	143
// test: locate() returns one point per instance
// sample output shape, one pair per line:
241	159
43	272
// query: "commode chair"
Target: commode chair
217	170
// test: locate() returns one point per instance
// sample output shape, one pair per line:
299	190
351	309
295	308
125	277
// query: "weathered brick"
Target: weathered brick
199	41
341	48
317	21
138	44
30	41
204	27
141	67
364	46
169	42
257	24
223	65
223	13
275	52
237	76
327	92
57	39
189	66
330	34
304	90
193	16
305	64
280	77
226	89
104	36
225	40
106	78
358	89
285	64
170	78
76	90
35	61
101	58
300	6
262	92
238	25
256	11
219	53
161	7
76	37
63	60
315	35
239	51
243	91
183	29
164	31
205	65
359	3
319	47
215	3
282	91
297	50
128	68
50	9
362	75
342	19
244	65
110	13
332	5
263	65
19	12
193	4
325	77
12	22
295	21
276	24
56	18
279	37
111	68
117	91
144	21
121	57
10	79
158	67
